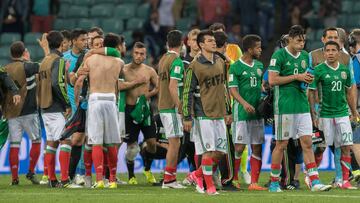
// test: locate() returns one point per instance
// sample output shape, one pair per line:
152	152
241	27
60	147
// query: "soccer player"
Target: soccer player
204	94
53	101
65	46
245	78
316	57
23	116
103	126
136	96
171	73
286	73
335	82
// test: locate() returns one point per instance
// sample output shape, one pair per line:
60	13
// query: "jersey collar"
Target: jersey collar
250	65
286	49
337	67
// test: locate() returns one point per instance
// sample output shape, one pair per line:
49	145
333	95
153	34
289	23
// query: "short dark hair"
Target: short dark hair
249	41
217	26
296	30
55	39
329	29
112	40
201	36
66	34
76	33
174	38
96	37
220	38
98	30
122	39
139	45
332	43
17	49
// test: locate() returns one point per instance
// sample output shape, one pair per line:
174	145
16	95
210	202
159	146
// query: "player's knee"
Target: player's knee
239	148
131	152
151	145
281	145
256	150
319	150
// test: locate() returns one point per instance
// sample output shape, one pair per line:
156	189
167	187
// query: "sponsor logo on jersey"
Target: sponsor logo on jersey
244	73
288	63
303	64
272	62
343	75
327	76
296	65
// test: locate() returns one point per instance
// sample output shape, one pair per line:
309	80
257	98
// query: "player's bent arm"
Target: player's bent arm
154	81
275	79
77	88
173	88
234	92
125	85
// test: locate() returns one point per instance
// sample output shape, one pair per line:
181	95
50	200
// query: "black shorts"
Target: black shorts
133	129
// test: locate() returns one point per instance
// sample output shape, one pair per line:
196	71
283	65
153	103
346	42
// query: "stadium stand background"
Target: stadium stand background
269	18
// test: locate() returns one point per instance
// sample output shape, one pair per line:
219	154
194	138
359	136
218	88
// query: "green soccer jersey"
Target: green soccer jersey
247	79
289	98
332	83
177	73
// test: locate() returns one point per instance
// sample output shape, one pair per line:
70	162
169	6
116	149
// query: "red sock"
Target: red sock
275	172
34	156
255	164
45	165
170	174
236	168
98	159
312	171
14	160
87	162
112	162
318	159
207	164
64	158
196	159
198	173
50	160
106	161
345	167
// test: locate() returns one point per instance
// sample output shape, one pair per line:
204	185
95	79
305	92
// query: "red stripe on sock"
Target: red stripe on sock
345	170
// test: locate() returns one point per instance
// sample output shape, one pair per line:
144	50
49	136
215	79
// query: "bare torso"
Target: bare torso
132	73
104	73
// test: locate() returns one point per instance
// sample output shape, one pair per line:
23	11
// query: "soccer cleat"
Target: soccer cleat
247	177
112	185
79	180
53	183
149	177
44	180
256	187
106	183
347	186
356	175
199	182
120	182
133	181
217	181
274	187
173	185
14	182
68	184
307	181
32	177
87	181
99	185
188	180
212	191
336	183
320	187
236	183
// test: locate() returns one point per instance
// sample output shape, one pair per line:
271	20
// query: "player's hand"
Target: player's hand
179	108
16	99
83	71
228	119
43	42
187	125
304	77
248	108
141	80
88	54
355	117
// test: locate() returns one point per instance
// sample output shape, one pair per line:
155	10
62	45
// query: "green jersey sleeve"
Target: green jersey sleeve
315	82
109	51
276	62
177	69
233	82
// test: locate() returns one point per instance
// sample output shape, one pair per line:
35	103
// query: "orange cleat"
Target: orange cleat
256	187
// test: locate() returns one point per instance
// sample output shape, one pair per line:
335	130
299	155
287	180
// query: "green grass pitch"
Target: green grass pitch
145	193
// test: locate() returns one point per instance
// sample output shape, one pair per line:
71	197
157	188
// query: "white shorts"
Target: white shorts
209	136
292	126
248	132
54	125
103	124
121	116
172	124
28	123
337	131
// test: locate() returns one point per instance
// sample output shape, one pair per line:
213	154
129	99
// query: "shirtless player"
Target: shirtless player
103	125
139	95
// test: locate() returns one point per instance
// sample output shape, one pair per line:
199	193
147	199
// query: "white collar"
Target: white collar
287	50
252	64
337	67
